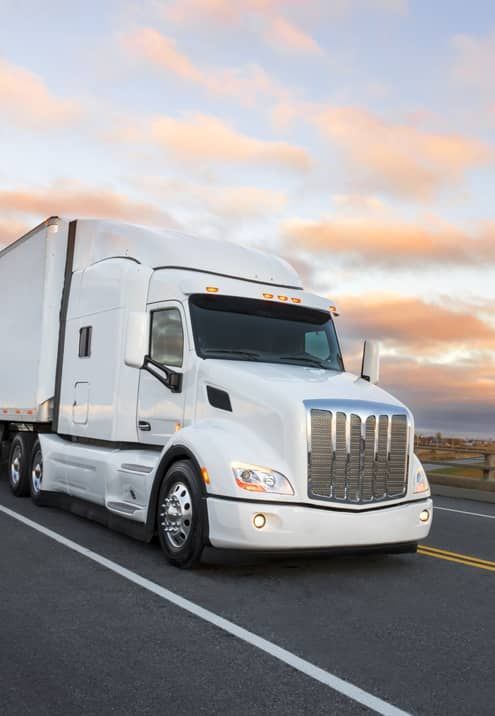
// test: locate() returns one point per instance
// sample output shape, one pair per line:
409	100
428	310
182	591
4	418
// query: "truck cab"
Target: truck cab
200	394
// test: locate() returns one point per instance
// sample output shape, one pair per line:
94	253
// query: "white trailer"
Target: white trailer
192	389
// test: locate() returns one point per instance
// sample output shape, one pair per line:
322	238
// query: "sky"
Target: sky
355	138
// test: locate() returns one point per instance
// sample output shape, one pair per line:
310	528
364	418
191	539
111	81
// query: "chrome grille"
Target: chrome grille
357	457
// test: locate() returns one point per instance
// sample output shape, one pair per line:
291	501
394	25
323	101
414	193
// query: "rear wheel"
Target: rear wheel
181	517
36	472
20	463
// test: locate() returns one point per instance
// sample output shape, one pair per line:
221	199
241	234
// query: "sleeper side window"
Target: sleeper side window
167	337
85	335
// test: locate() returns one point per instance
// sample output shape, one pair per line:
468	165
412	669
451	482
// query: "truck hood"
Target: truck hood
267	423
281	382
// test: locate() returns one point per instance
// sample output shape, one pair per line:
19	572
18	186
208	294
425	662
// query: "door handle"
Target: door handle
143	425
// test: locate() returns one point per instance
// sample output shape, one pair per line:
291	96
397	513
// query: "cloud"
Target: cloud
199	138
283	35
226	12
277	30
445	397
71	199
390	243
438	359
414	327
399	159
28	102
246	84
362	203
224	201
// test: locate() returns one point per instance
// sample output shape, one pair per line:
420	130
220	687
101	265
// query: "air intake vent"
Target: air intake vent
357	458
218	398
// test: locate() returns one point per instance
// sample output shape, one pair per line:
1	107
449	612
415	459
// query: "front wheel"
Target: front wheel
182	518
36	472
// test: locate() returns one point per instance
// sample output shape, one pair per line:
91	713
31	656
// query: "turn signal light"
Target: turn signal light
205	476
212	289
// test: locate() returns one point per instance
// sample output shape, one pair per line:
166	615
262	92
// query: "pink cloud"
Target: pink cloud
28	102
246	84
198	139
73	199
398	158
285	36
390	242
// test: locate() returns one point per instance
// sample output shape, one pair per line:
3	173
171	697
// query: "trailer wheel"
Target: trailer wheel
181	516
20	463
36	472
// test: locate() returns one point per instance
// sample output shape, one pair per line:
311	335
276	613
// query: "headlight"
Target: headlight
421	483
261	479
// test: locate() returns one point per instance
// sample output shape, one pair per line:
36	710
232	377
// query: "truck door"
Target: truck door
160	410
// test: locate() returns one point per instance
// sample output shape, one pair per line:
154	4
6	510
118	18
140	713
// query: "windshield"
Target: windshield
234	328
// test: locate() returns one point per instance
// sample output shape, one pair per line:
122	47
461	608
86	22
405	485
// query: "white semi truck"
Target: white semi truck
192	389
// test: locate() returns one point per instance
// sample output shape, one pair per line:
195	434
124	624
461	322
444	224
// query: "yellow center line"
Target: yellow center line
466	559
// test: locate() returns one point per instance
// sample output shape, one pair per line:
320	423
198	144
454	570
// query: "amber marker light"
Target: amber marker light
212	289
205	476
268	295
283	298
295	300
249	486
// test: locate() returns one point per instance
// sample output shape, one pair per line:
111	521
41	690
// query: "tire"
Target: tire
182	521
19	465
36	472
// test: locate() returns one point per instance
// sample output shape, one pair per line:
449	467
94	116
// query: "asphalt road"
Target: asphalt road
416	631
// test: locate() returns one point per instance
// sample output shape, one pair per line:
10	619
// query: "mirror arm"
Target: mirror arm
173	379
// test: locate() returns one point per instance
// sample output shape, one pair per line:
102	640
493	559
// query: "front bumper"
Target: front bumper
292	527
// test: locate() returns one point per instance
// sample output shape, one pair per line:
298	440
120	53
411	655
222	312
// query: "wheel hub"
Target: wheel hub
37	474
15	467
176	515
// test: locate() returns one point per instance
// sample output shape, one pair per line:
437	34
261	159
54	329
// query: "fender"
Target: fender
213	444
171	454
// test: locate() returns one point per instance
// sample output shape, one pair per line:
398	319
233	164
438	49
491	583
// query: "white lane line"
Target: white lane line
464	512
306	667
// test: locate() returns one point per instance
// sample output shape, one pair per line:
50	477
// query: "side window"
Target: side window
316	344
167	337
85	334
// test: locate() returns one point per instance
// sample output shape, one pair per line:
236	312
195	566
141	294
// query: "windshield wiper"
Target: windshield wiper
303	359
233	351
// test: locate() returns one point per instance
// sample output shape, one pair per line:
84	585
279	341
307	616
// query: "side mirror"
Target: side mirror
136	339
370	369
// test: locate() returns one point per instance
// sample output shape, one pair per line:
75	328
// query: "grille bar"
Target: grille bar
357	458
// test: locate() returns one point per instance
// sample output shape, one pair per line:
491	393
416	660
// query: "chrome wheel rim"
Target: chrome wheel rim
176	515
37	472
15	466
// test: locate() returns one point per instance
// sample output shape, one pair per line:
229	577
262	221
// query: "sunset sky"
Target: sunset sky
354	137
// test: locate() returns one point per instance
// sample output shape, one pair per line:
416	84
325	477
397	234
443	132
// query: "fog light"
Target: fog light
424	516
259	521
